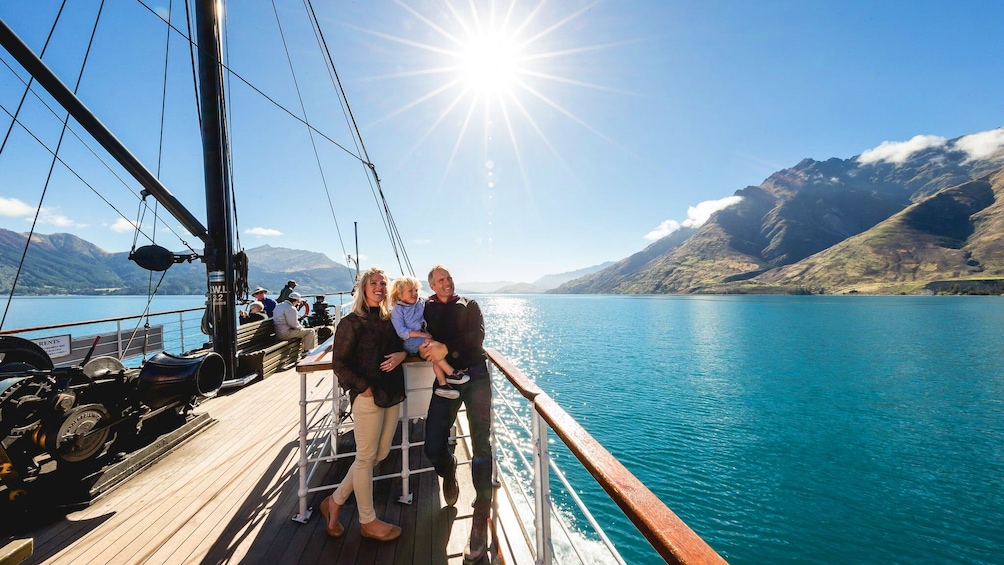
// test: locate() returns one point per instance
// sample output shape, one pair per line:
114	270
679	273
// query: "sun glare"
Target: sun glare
490	64
499	58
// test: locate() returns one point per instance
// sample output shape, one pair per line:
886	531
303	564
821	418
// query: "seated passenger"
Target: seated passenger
268	303
255	313
288	327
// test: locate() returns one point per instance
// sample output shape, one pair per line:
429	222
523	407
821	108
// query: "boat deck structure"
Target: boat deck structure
244	489
229	495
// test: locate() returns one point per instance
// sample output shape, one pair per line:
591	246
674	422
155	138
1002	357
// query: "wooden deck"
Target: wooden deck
228	494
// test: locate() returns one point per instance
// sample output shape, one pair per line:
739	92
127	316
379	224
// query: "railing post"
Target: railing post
406	496
541	489
118	336
303	514
181	324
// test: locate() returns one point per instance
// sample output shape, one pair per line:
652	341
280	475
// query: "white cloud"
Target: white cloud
981	145
664	229
12	207
123	225
49	216
262	231
897	152
696	216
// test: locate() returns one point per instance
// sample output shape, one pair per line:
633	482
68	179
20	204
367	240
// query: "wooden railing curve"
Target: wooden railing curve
667	533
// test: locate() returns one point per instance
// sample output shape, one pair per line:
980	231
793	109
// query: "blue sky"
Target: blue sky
607	121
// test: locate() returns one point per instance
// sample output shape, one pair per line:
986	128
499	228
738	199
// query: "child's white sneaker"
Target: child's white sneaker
458	378
447	391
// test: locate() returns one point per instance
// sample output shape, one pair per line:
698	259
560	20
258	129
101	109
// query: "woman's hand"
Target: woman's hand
392	360
368	392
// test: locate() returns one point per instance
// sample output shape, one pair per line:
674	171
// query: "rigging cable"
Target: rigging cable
389	224
257	90
52	165
160	145
241	287
313	143
84	144
7	136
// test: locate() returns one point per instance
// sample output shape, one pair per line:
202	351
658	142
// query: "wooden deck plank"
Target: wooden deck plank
180	506
228	494
174	502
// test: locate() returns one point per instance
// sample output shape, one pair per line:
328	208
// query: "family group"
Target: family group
388	323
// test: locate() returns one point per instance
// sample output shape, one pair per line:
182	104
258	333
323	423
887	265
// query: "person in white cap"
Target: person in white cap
288	327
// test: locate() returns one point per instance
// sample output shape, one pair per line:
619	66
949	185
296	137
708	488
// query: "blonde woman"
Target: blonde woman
367	359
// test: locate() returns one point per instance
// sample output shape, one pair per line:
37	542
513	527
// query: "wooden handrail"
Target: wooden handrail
523	384
667	533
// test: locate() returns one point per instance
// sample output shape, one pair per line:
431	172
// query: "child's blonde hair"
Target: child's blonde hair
400	285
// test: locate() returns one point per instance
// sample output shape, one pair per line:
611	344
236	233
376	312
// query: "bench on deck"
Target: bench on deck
260	352
16	551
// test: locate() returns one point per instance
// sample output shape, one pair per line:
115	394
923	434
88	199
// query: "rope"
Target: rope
52	165
313	144
86	145
257	90
241	288
397	244
6	136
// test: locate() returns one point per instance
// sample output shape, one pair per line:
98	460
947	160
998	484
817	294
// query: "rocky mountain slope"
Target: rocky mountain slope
885	225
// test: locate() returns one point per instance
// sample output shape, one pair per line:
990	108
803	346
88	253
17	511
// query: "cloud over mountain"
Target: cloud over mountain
982	145
696	216
897	152
262	231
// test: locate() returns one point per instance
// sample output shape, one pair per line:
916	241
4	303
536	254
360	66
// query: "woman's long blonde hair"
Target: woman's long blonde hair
359	307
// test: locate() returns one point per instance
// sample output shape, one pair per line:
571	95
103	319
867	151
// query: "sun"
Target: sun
488	70
490	63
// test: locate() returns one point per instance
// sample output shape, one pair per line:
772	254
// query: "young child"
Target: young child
407	316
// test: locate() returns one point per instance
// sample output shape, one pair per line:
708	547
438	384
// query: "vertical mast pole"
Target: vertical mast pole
219	256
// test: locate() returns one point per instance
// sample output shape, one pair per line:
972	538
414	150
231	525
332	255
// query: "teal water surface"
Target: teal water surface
784	429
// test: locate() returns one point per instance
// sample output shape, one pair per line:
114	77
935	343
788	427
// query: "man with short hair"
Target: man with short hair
288	327
268	303
457	322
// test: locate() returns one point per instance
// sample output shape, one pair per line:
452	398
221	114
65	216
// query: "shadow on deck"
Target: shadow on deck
228	495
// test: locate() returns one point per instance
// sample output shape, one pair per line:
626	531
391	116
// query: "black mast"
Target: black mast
218	238
69	101
219	255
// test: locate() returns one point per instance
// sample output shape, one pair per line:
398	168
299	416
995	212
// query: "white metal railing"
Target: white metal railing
325	413
133	342
524	467
525	428
523	435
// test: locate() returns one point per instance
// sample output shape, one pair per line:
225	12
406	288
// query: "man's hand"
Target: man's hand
432	351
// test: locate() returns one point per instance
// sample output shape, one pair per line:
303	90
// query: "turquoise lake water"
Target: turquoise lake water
785	429
781	429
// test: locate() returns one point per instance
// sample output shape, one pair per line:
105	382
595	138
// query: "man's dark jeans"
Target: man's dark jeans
476	394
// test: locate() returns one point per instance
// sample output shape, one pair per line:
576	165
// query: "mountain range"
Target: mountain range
915	218
65	264
906	221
